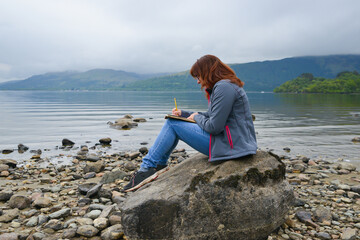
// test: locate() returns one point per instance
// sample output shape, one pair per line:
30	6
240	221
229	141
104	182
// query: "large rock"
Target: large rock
246	198
94	167
19	201
125	122
10	162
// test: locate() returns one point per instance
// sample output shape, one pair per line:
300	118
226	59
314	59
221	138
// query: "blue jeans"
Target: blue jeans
168	138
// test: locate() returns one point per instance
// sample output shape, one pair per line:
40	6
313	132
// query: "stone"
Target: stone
105	141
39	236
10	162
33	221
139	120
123	123
134	155
93	214
113	232
115	219
7	151
84	188
54	224
9	215
43	219
4	167
249	196
94	167
92	158
87	231
323	236
5	195
303	216
107	211
69	233
143	150
111	177
42	202
94	190
4	173
101	223
9	236
67	142
345	166
90	175
22	148
60	214
322	214
130	166
19	201
356	139
355	189
349	234
84	221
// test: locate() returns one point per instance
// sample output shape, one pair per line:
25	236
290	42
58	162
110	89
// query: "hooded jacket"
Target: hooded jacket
228	121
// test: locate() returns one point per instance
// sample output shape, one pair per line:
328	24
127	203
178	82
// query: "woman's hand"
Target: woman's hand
192	116
176	112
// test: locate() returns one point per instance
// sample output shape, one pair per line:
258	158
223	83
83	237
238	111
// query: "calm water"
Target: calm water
311	125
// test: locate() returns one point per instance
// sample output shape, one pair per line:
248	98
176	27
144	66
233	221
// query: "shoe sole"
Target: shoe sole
149	179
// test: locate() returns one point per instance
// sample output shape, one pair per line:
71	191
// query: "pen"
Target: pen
175	104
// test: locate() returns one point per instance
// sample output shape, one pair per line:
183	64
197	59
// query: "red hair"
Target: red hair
211	69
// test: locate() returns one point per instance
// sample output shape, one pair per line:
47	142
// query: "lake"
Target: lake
314	125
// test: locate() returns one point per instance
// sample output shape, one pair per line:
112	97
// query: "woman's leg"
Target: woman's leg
168	138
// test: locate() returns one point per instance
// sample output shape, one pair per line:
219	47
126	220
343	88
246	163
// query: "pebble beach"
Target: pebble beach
80	200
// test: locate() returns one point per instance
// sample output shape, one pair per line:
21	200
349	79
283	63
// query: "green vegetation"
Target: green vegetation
345	82
258	76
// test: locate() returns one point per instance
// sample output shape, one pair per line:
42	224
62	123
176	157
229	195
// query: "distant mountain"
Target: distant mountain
96	79
258	76
261	76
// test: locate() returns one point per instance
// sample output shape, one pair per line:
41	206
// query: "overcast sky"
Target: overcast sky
148	36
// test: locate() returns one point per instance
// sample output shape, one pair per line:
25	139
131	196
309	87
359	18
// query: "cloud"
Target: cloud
168	36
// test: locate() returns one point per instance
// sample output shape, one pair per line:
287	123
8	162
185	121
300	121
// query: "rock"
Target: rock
90	175
93	214
115	218
42	202
19	201
105	141
110	177
249	196
356	139
84	188
9	215
101	223
322	214
94	167
60	214
123	123
113	232
69	233
130	166
22	148
54	224
84	221
143	150
4	167
94	190
345	166
348	234
87	231
107	211
7	151
42	219
9	236
33	221
139	120
303	216
134	155
67	142
84	201
5	195
92	158
9	162
355	189
4	174
39	236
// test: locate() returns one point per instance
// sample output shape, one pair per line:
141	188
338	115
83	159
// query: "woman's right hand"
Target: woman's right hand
176	112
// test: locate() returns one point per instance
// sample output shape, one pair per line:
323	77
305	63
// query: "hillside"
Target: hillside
261	76
96	79
345	82
258	76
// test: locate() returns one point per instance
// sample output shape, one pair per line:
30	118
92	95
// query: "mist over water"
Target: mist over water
313	125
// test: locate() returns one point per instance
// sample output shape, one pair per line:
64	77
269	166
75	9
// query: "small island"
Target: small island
345	82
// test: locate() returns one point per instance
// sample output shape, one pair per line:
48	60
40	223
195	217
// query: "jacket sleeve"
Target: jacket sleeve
221	105
185	114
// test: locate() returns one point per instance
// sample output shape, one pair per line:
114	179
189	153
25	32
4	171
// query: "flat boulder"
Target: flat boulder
247	198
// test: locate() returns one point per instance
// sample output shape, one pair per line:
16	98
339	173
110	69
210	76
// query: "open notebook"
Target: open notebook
179	118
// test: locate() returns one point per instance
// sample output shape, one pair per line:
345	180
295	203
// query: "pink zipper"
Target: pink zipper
210	149
229	136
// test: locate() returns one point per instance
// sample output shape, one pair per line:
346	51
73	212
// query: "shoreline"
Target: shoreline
55	201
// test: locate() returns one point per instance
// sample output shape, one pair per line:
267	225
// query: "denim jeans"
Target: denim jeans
169	136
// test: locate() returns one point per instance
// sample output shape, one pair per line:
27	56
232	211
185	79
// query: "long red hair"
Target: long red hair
210	69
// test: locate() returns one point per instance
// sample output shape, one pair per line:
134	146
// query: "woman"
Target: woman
225	131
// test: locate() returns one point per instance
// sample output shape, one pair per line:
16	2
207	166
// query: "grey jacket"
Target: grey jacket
228	121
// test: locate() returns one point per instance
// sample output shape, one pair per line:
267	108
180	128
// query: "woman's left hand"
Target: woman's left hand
192	116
